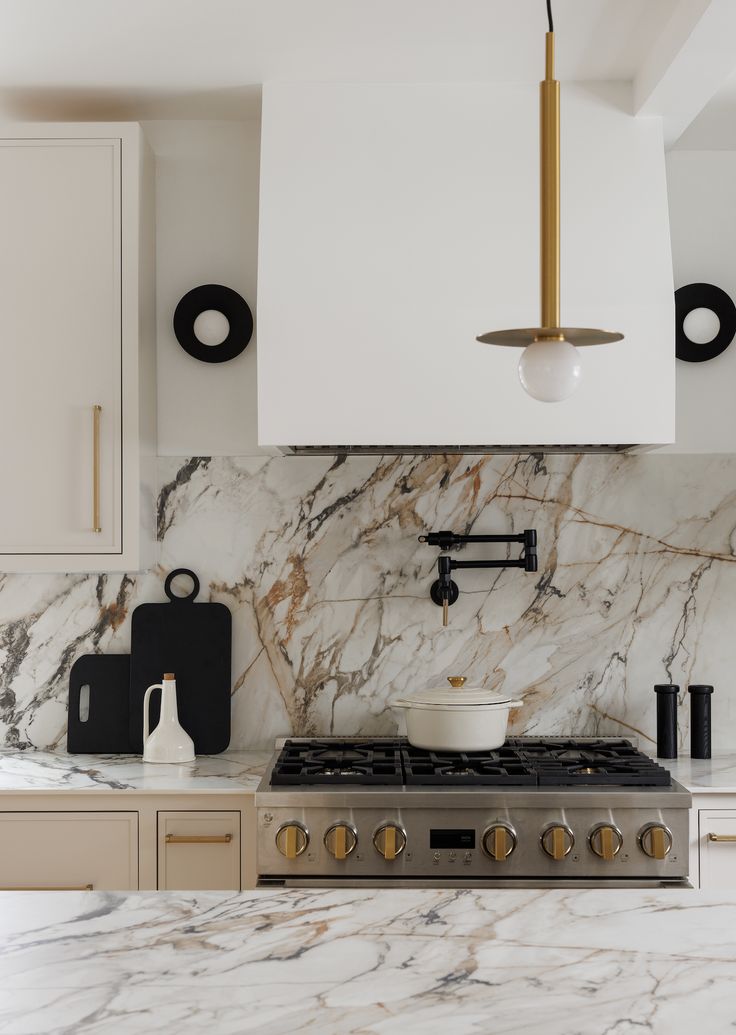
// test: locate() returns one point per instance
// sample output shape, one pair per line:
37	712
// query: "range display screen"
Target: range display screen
451	838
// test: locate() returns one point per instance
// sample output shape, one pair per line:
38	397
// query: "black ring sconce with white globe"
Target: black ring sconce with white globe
213	323
705	322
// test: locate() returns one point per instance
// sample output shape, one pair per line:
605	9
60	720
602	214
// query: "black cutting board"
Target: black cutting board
106	728
194	642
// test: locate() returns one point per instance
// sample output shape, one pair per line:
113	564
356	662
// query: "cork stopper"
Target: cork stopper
169	675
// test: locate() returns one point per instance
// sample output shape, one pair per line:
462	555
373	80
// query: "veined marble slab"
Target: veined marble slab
318	560
40	772
705	775
343	962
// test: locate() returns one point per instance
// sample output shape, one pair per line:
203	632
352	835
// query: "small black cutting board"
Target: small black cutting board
99	717
194	642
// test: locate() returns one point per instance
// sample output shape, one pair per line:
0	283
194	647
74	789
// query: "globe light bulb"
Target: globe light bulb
550	370
211	327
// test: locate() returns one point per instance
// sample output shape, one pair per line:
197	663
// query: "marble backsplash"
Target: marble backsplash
319	562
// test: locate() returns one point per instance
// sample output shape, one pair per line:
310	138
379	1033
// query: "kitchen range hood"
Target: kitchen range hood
396	220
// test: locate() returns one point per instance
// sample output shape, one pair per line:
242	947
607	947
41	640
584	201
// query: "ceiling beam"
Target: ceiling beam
690	60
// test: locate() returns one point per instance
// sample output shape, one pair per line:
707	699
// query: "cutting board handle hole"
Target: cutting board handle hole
180	574
84	702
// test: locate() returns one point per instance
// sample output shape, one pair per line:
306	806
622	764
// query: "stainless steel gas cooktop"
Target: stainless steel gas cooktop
540	811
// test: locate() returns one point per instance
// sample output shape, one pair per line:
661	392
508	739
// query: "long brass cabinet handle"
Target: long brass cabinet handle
47	887
96	521
728	838
198	839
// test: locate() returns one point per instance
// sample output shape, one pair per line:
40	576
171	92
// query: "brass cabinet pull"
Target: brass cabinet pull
722	837
198	839
96	523
47	887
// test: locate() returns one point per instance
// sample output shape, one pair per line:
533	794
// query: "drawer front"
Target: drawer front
199	851
717	846
68	851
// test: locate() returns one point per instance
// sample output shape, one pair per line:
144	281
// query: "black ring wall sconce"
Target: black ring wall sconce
223	300
703	296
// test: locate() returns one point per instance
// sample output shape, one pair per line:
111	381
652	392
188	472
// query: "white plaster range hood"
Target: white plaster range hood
398	221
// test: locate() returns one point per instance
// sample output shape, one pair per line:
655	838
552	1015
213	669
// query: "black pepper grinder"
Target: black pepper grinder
700	720
666	719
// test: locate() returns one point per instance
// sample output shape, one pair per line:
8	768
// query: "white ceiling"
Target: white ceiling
196	58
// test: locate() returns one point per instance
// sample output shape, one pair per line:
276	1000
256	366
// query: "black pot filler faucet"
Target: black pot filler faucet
444	591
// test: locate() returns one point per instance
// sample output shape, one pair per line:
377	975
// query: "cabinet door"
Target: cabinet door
199	851
60	351
717	837
68	851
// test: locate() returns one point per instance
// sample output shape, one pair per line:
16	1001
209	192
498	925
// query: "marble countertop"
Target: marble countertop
39	772
704	775
341	962
43	771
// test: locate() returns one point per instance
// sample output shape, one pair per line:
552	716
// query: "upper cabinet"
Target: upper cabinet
78	414
398	222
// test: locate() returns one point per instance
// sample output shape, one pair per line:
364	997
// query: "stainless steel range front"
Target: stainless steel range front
542	812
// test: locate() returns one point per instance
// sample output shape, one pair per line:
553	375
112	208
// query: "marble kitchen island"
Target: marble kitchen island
344	961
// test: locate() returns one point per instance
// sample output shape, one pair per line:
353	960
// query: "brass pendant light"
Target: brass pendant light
549	368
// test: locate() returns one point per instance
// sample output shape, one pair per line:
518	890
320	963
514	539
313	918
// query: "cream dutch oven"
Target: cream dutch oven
456	717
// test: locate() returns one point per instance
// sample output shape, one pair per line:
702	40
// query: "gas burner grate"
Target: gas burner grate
601	773
451	769
339	762
521	762
566	762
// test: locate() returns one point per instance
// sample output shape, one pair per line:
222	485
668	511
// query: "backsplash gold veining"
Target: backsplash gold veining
319	562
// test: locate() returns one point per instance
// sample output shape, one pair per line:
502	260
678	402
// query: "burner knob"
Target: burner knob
605	841
655	840
557	841
389	841
340	840
499	841
292	839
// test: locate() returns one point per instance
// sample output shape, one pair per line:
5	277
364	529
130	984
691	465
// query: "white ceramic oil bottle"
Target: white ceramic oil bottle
168	742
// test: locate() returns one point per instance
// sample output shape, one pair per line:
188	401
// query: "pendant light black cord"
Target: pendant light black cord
549	16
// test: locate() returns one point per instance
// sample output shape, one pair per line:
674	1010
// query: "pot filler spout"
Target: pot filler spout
445	591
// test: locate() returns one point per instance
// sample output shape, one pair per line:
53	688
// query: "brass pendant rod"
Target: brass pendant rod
549	178
549	221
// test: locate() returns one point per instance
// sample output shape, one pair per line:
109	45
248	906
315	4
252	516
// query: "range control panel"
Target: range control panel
574	843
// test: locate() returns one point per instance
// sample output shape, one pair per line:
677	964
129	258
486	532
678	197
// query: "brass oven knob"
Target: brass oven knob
605	841
292	839
655	840
389	841
557	841
499	841
340	840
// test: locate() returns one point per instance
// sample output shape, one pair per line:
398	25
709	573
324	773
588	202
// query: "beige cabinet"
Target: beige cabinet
68	850
717	848
118	840
199	851
77	361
